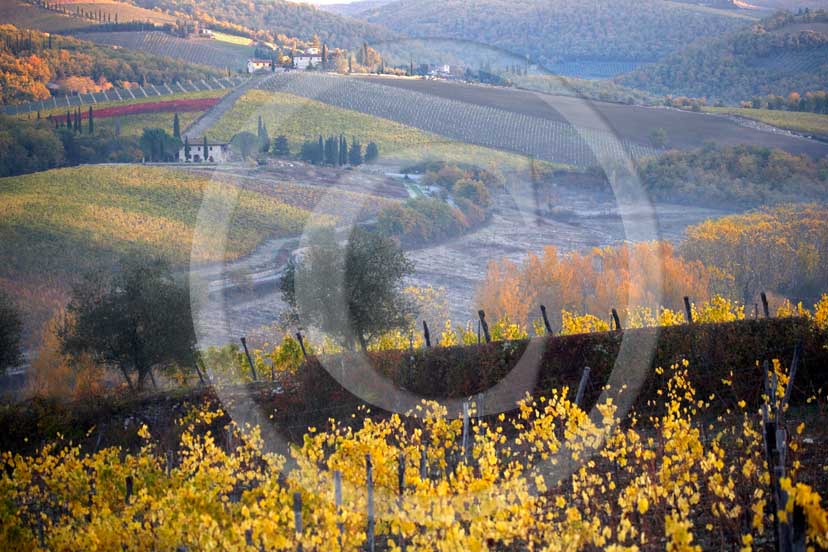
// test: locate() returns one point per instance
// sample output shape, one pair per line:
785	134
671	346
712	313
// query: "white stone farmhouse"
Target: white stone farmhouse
217	152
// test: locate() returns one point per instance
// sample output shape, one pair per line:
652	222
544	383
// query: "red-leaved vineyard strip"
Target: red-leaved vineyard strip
181	106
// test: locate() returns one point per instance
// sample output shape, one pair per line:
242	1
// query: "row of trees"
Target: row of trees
782	251
811	102
334	150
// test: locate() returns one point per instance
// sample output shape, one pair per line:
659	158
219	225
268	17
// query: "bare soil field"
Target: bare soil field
685	129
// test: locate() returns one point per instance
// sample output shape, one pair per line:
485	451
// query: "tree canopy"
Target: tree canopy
354	292
10	329
136	320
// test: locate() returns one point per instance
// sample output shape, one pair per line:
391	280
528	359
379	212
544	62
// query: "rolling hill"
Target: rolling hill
35	65
548	32
781	54
279	17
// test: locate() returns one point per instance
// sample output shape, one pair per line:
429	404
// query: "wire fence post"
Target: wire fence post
249	360
301	341
615	319
688	310
484	325
546	323
369	483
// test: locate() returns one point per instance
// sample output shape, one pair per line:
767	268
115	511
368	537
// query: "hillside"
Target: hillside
278	17
33	64
781	54
548	32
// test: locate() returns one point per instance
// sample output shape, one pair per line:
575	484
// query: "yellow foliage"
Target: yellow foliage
718	309
586	323
629	486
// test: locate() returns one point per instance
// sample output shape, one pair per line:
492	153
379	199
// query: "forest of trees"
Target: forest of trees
778	56
782	251
39	145
548	31
29	60
736	175
278	19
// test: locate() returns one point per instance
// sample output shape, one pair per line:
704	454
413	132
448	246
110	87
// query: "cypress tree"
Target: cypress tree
68	120
186	149
176	126
91	121
355	155
205	156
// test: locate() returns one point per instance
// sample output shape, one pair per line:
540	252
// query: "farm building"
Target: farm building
217	152
255	65
311	58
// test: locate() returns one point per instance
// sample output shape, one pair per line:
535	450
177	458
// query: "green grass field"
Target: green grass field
302	119
232	39
810	123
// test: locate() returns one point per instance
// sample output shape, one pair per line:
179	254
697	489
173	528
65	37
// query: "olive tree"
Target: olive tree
352	292
136	320
10	329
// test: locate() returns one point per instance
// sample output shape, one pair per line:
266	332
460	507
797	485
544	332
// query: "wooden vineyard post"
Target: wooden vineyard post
688	310
426	334
338	502
465	431
546	323
401	493
616	319
579	397
297	518
129	488
423	465
249	360
301	341
369	483
484	325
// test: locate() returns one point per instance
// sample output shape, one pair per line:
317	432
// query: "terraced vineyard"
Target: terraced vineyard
215	53
486	126
207	88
